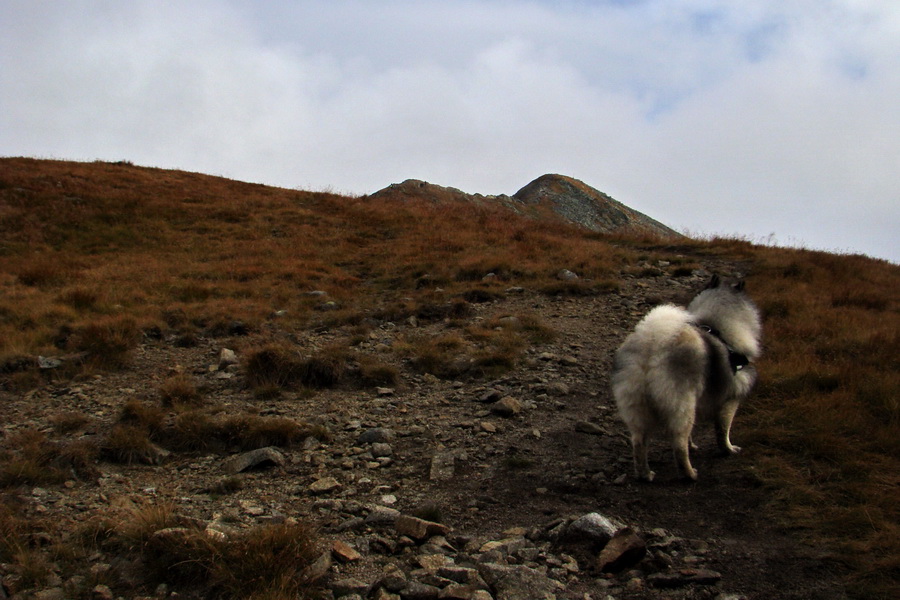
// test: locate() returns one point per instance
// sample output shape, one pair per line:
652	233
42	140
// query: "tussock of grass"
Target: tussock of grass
132	440
79	298
108	341
200	430
271	559
373	372
69	421
145	416
265	561
30	458
129	444
474	352
325	368
180	390
535	330
279	366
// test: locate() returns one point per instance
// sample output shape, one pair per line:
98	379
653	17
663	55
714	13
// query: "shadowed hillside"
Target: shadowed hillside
477	330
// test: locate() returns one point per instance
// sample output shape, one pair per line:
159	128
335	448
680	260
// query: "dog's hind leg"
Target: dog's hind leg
639	445
680	444
723	428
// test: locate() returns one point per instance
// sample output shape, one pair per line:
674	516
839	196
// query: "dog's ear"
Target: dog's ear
740	285
714	282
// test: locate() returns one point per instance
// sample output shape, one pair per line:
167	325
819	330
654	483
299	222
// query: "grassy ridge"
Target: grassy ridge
92	256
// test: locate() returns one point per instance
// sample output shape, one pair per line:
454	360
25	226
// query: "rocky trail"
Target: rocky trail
508	488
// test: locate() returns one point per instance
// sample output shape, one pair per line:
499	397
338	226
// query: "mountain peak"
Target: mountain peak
575	201
567	199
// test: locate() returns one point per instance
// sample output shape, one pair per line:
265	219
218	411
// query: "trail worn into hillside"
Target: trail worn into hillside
447	451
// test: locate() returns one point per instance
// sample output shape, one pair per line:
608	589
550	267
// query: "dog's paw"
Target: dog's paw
730	450
691	475
648	476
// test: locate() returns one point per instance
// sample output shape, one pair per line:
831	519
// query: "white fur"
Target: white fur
668	373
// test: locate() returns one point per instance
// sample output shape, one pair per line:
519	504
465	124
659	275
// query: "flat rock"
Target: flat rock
684	577
345	587
376	435
433	562
324	485
624	550
588	427
381	449
505	546
261	457
102	592
419	529
459	591
558	388
489	396
507	407
420	591
382	516
344	552
48	362
592	527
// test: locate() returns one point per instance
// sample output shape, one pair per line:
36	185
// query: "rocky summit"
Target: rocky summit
548	197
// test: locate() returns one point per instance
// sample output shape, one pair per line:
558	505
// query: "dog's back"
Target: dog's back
659	370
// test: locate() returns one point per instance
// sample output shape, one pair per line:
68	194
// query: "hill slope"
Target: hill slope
349	314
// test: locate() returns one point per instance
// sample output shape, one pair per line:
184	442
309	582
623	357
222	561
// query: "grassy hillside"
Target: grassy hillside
88	243
94	256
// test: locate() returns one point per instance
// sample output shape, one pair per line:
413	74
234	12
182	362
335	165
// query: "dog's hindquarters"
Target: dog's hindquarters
657	381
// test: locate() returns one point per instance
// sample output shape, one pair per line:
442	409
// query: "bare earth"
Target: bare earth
565	455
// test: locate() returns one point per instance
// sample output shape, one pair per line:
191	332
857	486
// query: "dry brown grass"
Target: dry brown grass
93	256
180	390
374	372
90	246
163	547
31	458
827	409
267	560
205	430
280	366
148	417
130	444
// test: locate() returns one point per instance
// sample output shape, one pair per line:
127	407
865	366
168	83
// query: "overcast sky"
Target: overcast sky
767	119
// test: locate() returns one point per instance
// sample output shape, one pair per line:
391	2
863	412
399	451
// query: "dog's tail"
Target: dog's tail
664	359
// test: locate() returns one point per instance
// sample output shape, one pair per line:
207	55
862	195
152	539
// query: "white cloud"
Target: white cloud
746	118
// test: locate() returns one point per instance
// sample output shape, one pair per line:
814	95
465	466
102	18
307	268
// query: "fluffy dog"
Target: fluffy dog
680	365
